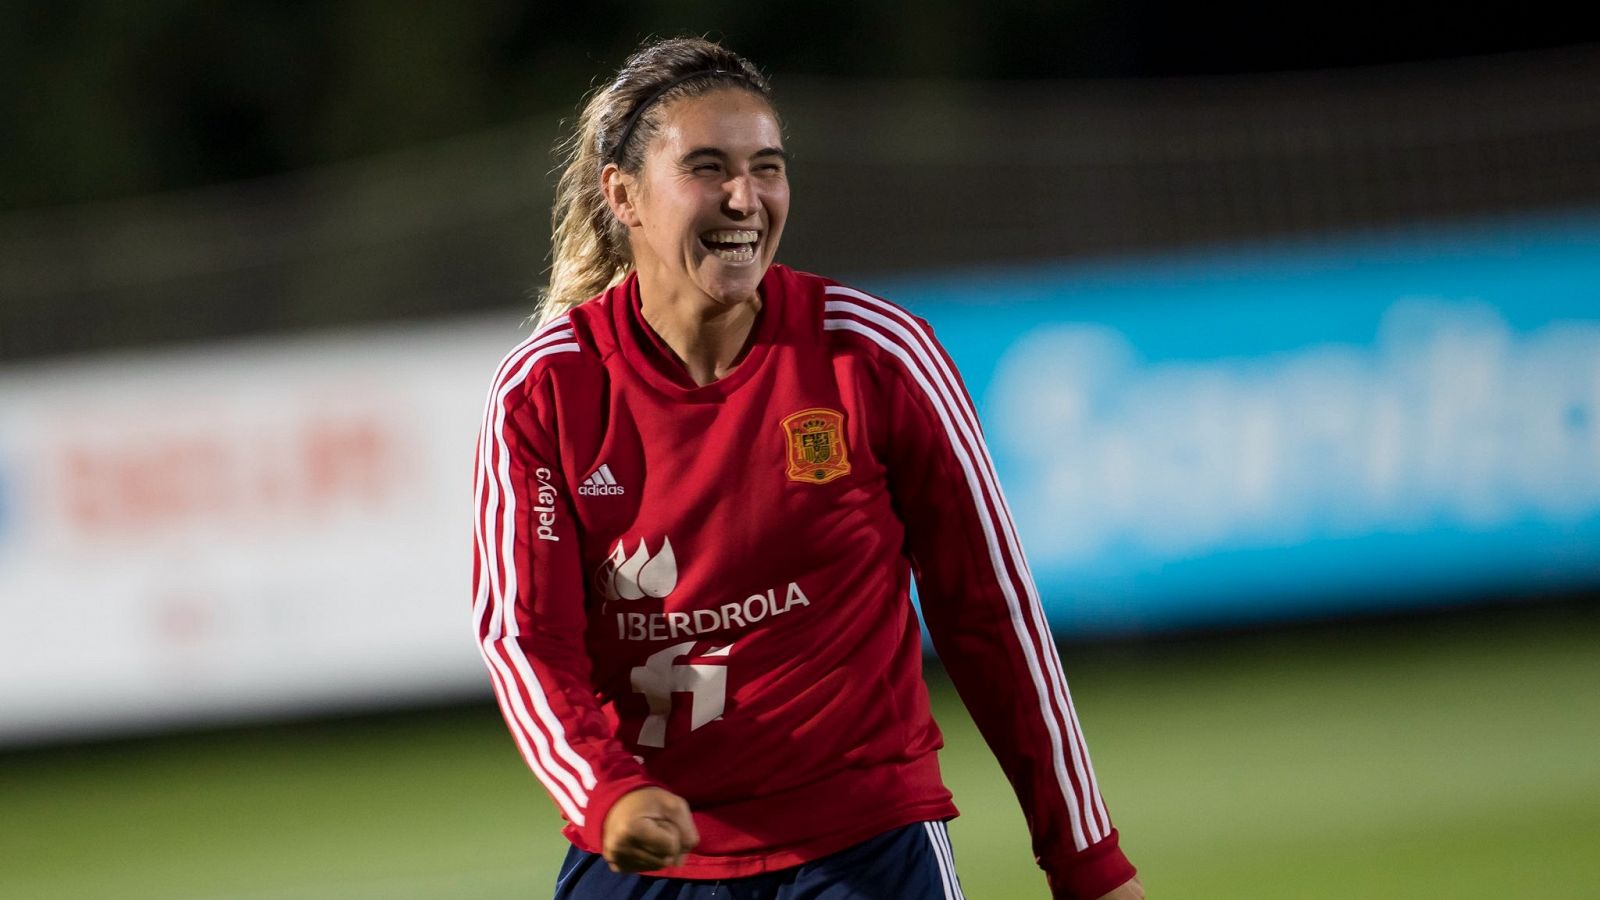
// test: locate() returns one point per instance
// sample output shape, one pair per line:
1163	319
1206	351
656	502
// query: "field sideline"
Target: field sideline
1443	759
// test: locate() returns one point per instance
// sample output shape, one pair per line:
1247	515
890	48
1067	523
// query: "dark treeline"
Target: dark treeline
106	98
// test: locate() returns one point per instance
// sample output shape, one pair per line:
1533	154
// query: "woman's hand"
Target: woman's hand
648	829
1130	890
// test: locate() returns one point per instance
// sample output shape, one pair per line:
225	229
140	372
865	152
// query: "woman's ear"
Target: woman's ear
620	191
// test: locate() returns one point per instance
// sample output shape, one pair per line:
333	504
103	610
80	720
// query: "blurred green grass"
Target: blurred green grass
1441	760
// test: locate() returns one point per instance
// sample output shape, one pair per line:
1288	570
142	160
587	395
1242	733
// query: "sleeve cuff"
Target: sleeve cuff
1089	874
601	799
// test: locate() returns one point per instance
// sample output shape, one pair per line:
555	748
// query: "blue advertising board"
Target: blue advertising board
1266	432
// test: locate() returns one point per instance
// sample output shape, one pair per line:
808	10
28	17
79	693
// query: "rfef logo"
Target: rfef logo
817	453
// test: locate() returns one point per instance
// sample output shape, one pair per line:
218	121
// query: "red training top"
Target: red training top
705	588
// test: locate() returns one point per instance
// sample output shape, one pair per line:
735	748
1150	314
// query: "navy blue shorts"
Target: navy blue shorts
910	863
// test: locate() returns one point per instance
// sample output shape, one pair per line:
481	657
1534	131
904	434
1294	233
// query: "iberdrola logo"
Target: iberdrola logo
640	574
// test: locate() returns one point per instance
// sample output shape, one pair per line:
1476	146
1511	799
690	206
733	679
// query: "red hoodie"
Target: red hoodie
706	588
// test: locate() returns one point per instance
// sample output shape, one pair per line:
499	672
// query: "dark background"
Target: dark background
111	99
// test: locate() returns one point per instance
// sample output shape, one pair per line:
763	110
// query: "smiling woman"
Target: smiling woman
704	484
704	215
687	152
615	131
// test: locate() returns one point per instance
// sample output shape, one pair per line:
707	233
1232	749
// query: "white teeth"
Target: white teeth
744	241
744	254
730	237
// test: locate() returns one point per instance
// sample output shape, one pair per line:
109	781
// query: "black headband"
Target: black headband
615	155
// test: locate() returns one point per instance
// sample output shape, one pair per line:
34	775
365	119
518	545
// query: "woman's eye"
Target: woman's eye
707	168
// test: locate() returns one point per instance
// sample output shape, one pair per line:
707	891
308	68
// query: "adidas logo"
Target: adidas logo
600	484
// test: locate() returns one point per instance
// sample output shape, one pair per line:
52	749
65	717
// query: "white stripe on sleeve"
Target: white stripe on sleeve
567	783
960	428
1100	826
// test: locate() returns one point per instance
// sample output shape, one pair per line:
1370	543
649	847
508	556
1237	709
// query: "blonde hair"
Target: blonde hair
589	248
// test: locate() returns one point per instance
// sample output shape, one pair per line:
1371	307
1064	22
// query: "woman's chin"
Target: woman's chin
730	288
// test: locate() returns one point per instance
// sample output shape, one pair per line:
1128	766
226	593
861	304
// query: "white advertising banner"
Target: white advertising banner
238	531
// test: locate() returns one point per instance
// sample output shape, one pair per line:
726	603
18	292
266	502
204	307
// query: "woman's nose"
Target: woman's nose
742	196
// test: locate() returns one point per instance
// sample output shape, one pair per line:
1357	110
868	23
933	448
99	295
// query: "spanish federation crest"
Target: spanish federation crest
817	453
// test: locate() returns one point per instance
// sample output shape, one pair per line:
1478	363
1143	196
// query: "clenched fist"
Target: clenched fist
1130	890
648	829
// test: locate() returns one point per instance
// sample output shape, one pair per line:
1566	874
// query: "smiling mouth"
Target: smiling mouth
731	245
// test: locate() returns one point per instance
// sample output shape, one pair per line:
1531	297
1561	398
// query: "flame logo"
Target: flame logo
639	575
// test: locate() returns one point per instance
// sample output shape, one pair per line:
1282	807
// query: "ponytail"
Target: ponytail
589	249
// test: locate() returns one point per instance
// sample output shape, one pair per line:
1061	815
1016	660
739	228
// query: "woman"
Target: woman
703	486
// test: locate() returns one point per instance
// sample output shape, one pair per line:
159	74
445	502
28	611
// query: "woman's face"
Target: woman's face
708	206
